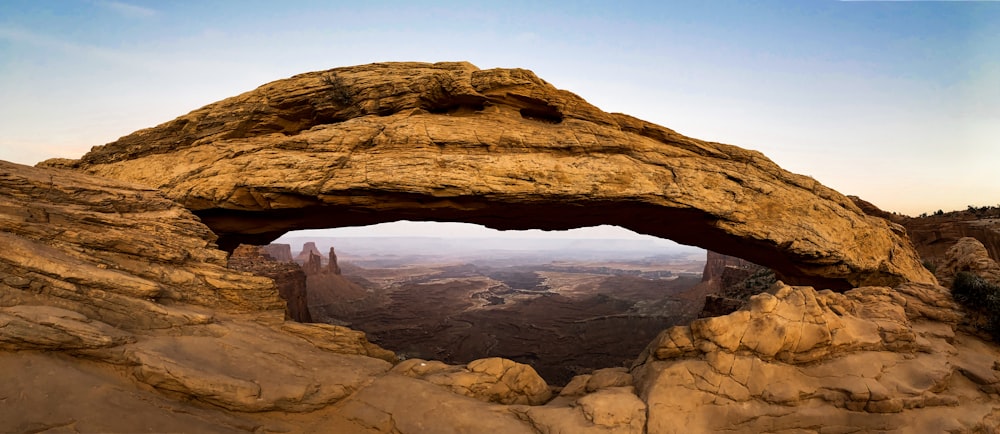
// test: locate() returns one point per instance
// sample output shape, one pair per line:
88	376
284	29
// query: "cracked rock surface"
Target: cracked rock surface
797	359
500	147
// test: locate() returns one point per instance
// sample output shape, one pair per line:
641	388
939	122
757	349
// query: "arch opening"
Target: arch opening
564	302
687	226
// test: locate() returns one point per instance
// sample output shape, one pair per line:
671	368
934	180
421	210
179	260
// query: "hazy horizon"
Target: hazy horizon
407	228
450	239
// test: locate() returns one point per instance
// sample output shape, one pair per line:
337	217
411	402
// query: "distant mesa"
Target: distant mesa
502	148
309	250
279	252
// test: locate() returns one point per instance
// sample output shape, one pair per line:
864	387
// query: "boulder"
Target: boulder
503	148
493	379
968	254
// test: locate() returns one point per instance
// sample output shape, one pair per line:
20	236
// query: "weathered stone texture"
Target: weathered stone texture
115	299
288	277
112	251
500	147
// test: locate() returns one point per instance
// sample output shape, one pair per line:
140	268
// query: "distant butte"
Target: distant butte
500	147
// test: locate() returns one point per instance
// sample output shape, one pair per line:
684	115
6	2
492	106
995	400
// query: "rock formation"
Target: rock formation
120	287
309	250
118	314
330	292
332	266
968	254
933	235
868	360
113	251
313	264
503	148
280	252
730	282
717	264
288	277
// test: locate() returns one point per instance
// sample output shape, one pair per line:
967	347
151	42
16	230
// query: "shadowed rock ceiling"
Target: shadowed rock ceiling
503	148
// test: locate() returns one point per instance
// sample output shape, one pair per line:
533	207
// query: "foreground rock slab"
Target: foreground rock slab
501	147
868	360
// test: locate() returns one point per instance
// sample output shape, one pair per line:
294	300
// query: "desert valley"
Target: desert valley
561	309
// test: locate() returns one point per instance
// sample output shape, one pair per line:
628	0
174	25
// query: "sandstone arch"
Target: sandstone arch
499	147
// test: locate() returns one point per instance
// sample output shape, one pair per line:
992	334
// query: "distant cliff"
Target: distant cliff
287	276
729	282
280	252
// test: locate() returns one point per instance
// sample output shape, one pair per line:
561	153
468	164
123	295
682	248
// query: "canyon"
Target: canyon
118	312
563	317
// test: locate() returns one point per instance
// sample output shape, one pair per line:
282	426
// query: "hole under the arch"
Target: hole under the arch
565	302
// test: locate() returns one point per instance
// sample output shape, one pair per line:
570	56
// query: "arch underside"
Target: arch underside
502	148
686	226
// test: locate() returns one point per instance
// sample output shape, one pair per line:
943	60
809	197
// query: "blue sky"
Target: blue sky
897	102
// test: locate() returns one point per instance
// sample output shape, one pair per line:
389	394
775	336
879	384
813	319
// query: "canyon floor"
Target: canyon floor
564	318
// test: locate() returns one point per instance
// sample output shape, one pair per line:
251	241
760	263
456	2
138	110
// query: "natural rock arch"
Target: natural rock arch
502	148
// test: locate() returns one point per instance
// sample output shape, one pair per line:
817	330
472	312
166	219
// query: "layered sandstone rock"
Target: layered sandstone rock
968	254
280	252
730	282
288	277
117	313
868	360
115	252
492	380
500	147
108	283
934	235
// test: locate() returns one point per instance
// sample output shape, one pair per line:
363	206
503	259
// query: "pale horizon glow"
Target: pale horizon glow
895	102
406	228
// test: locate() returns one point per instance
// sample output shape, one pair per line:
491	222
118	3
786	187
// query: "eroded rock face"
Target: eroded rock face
730	282
114	252
288	277
114	298
494	379
968	254
868	360
308	251
503	148
280	252
128	287
934	235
